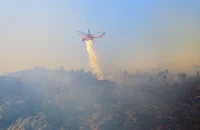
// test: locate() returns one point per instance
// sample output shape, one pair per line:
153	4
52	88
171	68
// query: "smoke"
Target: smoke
93	60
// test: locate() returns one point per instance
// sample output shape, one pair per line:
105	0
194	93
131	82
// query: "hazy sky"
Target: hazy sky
139	34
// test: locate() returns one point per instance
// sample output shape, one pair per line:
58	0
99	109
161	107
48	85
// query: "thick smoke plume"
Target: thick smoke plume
93	60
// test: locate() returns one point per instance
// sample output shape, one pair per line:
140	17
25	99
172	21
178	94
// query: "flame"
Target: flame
93	60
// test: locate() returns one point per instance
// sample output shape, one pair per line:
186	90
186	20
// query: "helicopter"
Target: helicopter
88	36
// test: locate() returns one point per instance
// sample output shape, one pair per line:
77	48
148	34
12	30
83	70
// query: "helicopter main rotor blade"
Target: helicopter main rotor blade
82	32
98	32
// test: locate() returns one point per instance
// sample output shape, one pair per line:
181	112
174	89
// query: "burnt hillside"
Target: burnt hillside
46	99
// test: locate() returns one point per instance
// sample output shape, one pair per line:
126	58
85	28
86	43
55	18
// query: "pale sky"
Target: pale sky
139	34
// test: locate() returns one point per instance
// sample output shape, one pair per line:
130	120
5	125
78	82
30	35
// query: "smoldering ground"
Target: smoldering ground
59	99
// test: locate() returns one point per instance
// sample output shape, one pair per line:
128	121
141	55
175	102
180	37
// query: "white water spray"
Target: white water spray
93	60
